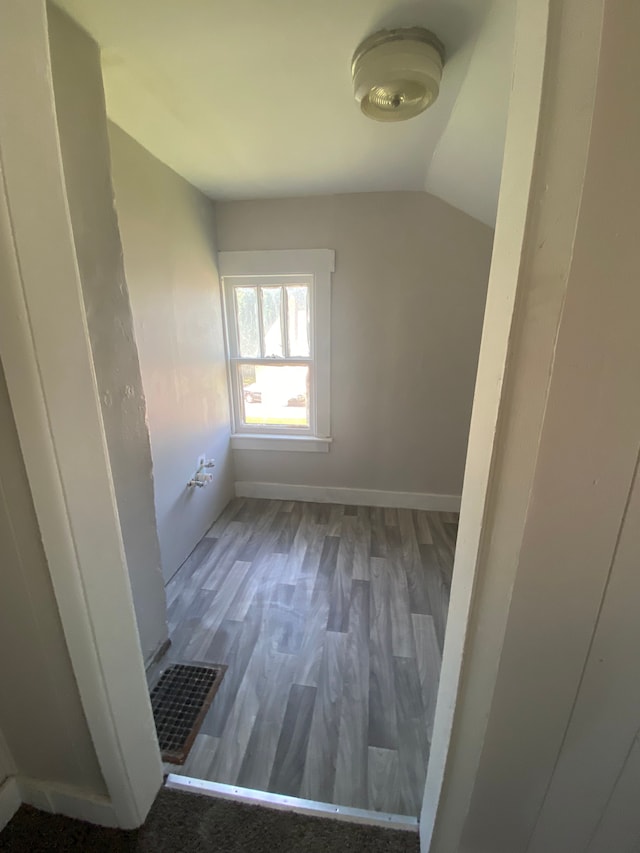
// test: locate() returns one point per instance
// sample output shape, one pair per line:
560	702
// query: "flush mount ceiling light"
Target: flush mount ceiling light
397	73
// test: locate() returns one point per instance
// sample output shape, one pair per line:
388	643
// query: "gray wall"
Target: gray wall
82	124
167	230
407	305
41	716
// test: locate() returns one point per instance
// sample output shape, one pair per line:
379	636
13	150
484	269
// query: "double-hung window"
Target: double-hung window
277	321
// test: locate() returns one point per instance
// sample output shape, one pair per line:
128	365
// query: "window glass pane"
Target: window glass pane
275	394
298	320
272	321
247	311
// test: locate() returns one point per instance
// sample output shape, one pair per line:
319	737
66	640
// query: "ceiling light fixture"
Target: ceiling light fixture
397	73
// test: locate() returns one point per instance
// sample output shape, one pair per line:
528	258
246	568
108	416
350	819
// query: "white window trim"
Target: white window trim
319	263
302	443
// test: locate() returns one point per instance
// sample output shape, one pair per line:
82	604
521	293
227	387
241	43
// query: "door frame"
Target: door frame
490	400
46	354
555	78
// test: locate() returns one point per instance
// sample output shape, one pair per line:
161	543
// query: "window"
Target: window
277	320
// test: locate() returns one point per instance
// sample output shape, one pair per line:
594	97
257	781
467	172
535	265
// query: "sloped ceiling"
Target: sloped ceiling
253	98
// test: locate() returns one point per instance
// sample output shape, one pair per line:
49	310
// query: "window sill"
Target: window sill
299	443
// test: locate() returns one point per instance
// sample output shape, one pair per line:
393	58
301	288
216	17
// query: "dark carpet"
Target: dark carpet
185	823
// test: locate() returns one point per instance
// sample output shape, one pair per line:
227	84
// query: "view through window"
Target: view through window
273	361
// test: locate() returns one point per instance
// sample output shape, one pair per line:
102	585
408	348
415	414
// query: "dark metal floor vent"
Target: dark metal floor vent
180	701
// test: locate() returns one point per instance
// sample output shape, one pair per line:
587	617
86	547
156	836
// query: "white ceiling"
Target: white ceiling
253	98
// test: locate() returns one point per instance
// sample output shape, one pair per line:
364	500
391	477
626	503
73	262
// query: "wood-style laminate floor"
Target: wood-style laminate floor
331	620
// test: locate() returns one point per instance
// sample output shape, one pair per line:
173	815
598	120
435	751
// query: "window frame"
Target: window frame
281	267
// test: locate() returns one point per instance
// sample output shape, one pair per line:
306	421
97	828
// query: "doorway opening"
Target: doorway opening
330	615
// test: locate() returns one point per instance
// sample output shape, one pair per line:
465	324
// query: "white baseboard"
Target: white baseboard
10	800
66	800
159	652
342	495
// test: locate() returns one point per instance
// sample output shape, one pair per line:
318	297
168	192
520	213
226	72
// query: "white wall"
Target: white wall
543	749
168	237
597	758
41	715
572	571
408	298
82	124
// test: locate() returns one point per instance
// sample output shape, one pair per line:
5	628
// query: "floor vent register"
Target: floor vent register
180	701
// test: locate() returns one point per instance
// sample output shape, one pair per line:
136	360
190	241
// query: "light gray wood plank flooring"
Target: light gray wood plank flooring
331	620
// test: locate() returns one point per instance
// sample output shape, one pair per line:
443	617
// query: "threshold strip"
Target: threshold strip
291	804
